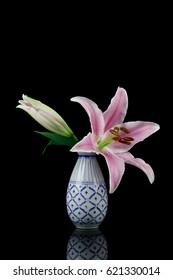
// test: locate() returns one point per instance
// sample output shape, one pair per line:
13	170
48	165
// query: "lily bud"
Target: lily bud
45	116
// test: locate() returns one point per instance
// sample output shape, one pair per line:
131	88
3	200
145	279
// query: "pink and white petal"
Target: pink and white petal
138	131
140	163
85	145
94	113
116	169
117	109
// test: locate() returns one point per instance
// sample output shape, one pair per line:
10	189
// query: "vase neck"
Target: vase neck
84	154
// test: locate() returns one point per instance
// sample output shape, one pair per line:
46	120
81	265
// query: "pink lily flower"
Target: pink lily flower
112	138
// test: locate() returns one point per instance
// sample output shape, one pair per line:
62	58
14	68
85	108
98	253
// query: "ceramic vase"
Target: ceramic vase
87	198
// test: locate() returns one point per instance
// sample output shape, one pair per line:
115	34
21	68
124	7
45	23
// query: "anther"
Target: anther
124	142
116	138
128	138
124	129
114	132
116	128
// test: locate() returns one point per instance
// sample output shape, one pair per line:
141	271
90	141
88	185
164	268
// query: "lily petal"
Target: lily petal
94	113
117	109
140	163
85	145
138	131
116	168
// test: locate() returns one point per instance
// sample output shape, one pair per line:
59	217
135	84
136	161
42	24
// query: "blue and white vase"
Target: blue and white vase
87	198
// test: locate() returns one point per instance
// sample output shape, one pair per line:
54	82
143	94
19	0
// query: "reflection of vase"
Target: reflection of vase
87	198
87	245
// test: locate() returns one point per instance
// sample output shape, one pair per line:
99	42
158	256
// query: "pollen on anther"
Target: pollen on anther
116	138
124	129
124	142
116	128
128	138
114	132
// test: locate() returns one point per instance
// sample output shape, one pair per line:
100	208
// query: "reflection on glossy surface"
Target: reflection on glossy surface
87	245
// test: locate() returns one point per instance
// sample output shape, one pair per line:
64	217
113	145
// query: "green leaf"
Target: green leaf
57	139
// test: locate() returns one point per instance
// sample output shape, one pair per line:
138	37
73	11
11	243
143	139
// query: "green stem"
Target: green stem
74	136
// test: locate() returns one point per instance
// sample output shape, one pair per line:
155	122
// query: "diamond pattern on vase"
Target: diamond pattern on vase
80	199
79	213
95	212
100	217
101	190
103	205
87	193
74	190
72	205
96	198
88	205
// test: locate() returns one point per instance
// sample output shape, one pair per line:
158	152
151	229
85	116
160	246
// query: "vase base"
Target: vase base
87	227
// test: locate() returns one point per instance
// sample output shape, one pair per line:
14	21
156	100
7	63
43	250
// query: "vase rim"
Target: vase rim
86	154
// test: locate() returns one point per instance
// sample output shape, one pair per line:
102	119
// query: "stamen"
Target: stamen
116	138
124	142
124	129
114	132
116	128
128	138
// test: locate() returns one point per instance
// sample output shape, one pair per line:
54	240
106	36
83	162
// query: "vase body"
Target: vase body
87	198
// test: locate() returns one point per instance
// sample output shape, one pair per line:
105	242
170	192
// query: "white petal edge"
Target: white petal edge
140	163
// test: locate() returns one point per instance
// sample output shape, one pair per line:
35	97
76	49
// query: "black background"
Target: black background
52	54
